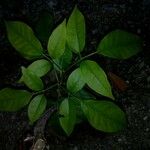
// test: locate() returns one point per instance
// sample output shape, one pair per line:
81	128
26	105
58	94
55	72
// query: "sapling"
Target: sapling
77	79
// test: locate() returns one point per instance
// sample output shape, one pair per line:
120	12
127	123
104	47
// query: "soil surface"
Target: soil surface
101	16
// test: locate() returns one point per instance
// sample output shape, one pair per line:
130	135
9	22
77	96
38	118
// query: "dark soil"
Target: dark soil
101	16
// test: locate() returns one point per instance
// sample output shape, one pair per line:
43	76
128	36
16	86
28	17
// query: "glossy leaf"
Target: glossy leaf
120	44
23	40
75	81
57	41
96	78
36	107
104	115
64	61
44	26
40	67
76	31
31	80
13	100
68	119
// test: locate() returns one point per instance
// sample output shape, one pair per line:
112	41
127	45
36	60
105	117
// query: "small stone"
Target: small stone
147	129
139	31
75	148
148	79
39	145
127	81
145	118
119	140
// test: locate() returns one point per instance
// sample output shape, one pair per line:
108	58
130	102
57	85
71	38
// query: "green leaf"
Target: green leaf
23	40
36	107
13	100
76	31
64	61
68	119
104	115
83	94
96	78
77	106
40	67
120	44
44	26
31	80
57	41
75	81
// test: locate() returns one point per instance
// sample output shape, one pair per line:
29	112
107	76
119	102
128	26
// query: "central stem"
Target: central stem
52	61
81	58
43	91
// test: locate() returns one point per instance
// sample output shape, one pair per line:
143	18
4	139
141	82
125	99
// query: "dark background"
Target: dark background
101	16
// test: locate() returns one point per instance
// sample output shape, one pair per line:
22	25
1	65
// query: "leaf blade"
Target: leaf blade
13	100
40	67
76	31
104	115
31	80
68	120
96	78
65	60
36	107
57	41
75	81
120	44
23	40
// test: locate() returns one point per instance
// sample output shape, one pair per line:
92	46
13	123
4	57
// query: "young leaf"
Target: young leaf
36	107
120	44
96	78
57	41
31	80
23	40
75	81
13	100
76	31
68	119
104	115
65	60
44	26
40	67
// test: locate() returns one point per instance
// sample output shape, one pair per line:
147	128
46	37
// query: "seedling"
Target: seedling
77	79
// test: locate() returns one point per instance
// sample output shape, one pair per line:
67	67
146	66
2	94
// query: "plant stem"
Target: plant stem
56	77
42	91
71	94
80	56
86	56
53	62
89	55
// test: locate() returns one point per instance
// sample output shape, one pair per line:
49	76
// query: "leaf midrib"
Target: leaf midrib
97	78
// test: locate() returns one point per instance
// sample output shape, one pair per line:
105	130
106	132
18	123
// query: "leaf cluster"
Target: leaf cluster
80	78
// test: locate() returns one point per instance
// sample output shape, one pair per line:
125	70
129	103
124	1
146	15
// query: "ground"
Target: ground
101	16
